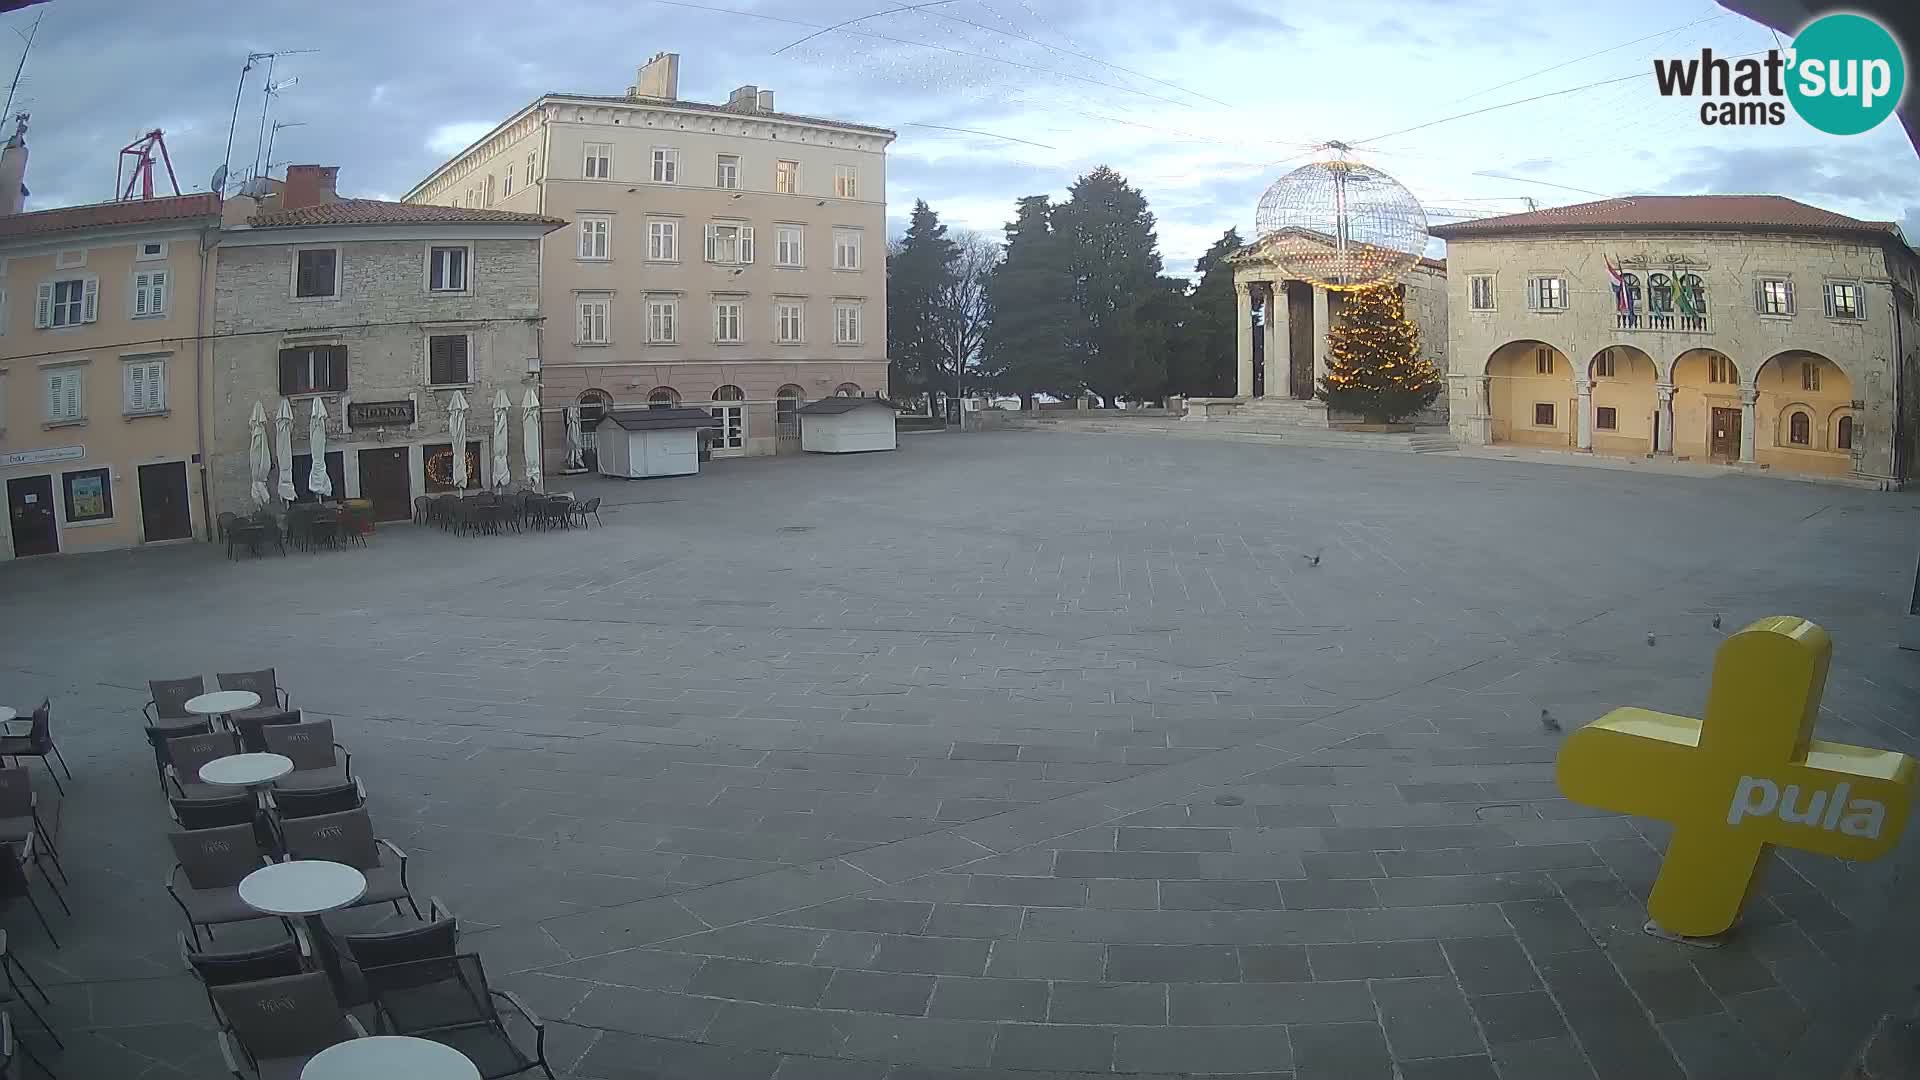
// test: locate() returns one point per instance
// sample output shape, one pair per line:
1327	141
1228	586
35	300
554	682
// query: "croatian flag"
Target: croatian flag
1620	300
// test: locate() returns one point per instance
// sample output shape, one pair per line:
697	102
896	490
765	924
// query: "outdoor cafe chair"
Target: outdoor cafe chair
581	510
37	742
263	682
318	761
280	1023
241	809
447	999
212	863
20	814
9	1046
11	964
348	838
186	756
289	957
439	936
157	737
168	707
251	726
17	884
421	505
310	802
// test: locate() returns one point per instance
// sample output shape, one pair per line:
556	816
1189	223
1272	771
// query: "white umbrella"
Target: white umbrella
283	437
530	436
259	461
457	429
318	482
576	444
502	469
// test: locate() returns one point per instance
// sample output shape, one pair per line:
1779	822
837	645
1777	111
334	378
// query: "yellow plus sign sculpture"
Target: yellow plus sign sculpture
1748	776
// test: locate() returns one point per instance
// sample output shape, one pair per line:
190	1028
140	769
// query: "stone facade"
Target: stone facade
1768	374
383	315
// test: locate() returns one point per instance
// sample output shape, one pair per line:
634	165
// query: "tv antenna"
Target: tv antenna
271	135
233	122
22	65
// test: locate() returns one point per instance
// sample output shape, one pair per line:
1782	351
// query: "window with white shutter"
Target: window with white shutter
846	182
146	386
1773	296
68	302
1843	300
447	268
1480	292
149	293
1547	293
66	395
729	243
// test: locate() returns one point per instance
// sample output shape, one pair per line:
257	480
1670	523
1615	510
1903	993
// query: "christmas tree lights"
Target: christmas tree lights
1374	366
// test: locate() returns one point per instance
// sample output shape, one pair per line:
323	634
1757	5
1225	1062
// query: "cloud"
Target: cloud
449	139
1538	164
1868	182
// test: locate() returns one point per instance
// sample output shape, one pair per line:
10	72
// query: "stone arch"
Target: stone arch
1843	428
593	404
1528	381
1810	385
847	389
663	397
1703	380
1622	378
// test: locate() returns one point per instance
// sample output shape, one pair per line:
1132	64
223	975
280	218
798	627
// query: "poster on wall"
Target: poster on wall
89	496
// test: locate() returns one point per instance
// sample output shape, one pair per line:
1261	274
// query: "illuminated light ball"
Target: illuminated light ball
1341	225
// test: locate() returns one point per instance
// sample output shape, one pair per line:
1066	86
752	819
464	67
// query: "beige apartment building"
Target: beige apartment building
726	256
1749	329
101	326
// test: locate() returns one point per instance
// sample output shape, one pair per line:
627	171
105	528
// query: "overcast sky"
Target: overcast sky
1201	103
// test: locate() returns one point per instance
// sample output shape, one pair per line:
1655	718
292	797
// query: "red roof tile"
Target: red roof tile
107	215
381	212
1709	212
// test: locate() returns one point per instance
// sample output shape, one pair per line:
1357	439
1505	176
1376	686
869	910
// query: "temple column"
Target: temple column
1749	397
1243	337
1583	437
1663	418
1321	324
1277	353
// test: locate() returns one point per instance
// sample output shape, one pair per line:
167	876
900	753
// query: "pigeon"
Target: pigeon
1649	637
1547	722
1716	622
1313	559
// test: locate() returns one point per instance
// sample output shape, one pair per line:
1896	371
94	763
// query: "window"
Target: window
666	165
595	315
1659	294
727	172
729	243
1543	414
68	302
1480	292
847	389
447	269
599	163
146	384
846	324
733	419
66	395
1603	364
1720	370
662	317
789	323
447	356
149	293
726	321
1543	361
789	245
1843	300
663	397
506	182
1843	434
313	369
533	157
152	249
846	182
846	249
1774	296
316	273
1547	293
1800	429
595	234
1605	419
1809	375
89	495
786	177
490	181
1693	296
663	241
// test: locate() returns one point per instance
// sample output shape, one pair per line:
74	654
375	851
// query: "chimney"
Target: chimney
13	169
309	185
659	78
764	101
744	99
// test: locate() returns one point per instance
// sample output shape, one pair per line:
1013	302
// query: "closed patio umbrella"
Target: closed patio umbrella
259	461
502	467
318	482
283	446
530	437
457	430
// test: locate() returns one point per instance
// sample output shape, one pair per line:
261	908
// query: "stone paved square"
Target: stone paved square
1017	754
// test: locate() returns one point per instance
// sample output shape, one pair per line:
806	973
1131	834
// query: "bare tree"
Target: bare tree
962	306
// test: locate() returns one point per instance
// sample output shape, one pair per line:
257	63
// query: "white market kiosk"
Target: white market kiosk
847	425
634	443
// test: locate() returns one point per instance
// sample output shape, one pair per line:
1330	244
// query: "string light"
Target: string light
1374	364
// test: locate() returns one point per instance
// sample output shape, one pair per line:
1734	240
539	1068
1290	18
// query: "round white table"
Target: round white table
245	770
398	1056
222	703
304	889
7	712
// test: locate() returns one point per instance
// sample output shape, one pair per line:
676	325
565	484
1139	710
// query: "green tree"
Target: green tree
919	269
1203	356
1374	366
1029	309
1114	260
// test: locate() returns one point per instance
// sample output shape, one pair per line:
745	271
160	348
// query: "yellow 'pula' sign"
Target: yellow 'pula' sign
1748	776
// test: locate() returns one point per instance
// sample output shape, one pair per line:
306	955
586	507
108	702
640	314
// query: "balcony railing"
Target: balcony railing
1665	322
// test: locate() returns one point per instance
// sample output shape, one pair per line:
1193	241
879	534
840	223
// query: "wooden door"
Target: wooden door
385	482
30	512
165	513
1723	435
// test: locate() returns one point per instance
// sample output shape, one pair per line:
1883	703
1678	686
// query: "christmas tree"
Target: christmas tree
1374	365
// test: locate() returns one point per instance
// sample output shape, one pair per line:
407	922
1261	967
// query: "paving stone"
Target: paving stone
1172	963
749	942
1671	993
1555	1058
1218	895
1462	889
1521	1017
1474	1067
1050	1046
1195	1004
845	949
804	1068
1714	1046
1015	959
916	1040
932	956
1425	1018
1108	1003
1376	960
878	992
1427	863
989	999
974	920
618	1056
1341	864
642	968
772	984
1200	1050
1118	894
1616	1034
1491	965
1126	864
1546	927
1770	1018
1416	924
1420	837
1331	893
740	1025
1134	839
645	1012
1026	891
1356	1051
1274	963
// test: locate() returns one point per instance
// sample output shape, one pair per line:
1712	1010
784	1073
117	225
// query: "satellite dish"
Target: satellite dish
218	184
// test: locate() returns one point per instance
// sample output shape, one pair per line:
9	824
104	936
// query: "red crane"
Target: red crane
141	151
